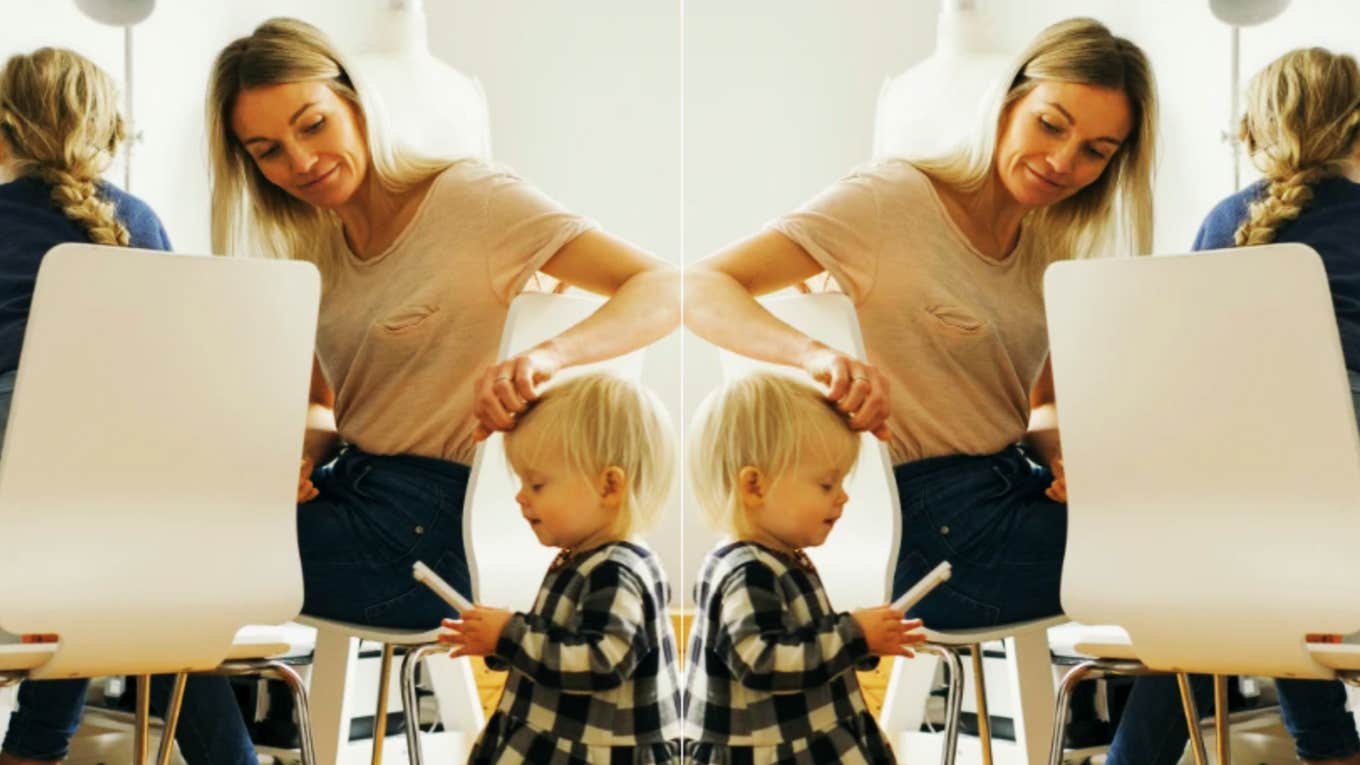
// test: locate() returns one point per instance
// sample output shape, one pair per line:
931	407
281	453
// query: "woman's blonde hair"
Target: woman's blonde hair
250	215
596	421
765	420
1114	213
60	123
1302	124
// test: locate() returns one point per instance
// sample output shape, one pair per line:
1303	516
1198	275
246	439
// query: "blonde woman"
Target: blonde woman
420	258
1302	130
59	131
943	258
592	665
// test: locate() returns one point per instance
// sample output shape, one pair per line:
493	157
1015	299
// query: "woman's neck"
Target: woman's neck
374	216
988	215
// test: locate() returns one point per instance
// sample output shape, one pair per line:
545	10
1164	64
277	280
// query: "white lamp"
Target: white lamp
1238	14
431	107
125	14
926	110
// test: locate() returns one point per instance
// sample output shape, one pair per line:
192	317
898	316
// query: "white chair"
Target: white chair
1213	466
150	465
860	536
490	522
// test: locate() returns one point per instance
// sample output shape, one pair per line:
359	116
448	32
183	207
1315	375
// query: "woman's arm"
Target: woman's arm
721	307
643	306
321	438
1043	431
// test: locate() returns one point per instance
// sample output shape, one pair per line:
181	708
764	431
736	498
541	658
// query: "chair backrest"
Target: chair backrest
1212	456
867	535
506	560
151	457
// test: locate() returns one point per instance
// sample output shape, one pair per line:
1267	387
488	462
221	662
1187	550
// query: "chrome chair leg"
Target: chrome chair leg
953	708
410	701
172	720
1192	719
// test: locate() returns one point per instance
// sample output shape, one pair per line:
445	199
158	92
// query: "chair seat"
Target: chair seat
273	641
21	657
998	632
1108	642
376	634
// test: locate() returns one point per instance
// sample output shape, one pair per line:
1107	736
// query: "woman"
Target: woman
1302	130
59	131
943	258
419	259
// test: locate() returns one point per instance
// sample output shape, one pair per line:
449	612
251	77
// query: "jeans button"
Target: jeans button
944	529
420	529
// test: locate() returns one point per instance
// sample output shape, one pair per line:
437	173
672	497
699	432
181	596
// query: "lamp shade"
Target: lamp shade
118	13
1247	13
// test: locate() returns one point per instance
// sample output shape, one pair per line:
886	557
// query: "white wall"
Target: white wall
584	102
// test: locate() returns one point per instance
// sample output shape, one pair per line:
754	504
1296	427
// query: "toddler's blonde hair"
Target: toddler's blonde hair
599	420
765	421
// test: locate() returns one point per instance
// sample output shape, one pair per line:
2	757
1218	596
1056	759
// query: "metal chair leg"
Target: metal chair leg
983	716
380	716
281	671
410	701
172	720
1070	681
953	708
1221	724
142	733
1192	719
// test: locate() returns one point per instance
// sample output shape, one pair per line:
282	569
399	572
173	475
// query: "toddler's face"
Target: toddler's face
562	506
801	506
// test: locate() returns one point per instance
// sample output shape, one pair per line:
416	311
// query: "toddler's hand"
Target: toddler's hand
886	632
477	633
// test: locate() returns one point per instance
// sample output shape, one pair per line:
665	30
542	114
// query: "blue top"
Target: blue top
1330	224
30	225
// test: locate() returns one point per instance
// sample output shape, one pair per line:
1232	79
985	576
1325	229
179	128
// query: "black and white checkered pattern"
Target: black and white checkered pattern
770	675
593	674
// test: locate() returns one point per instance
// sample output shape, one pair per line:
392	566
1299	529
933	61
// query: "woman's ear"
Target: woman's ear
751	486
612	486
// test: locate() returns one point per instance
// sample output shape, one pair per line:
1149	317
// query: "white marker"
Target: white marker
426	576
922	588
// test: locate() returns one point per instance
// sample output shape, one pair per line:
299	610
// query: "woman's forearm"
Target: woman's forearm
720	310
321	439
1043	436
644	309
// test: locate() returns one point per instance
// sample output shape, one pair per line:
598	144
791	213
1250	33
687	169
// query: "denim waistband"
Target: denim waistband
1010	459
352	458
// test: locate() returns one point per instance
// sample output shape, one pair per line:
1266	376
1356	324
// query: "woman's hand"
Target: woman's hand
857	389
306	492
886	632
506	389
1057	491
476	633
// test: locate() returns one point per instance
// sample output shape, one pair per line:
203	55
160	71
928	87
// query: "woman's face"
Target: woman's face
1058	139
305	139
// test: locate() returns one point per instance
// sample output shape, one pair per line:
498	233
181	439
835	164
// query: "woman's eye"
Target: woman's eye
315	126
1095	153
535	486
1050	127
267	153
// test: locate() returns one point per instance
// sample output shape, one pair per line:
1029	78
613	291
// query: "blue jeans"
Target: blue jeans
375	516
1152	730
988	516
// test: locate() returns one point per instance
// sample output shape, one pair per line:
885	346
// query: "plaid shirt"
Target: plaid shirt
771	665
592	665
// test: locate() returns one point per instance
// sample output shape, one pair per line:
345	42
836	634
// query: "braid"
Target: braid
79	200
1283	201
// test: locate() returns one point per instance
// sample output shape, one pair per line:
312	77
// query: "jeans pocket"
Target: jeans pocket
947	606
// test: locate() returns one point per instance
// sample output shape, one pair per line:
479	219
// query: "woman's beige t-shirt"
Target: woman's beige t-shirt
961	337
404	335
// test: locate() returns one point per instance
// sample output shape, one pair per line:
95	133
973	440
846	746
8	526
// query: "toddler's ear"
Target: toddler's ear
612	486
751	486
